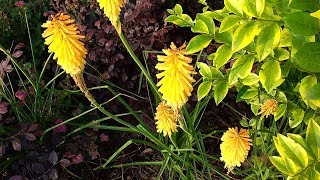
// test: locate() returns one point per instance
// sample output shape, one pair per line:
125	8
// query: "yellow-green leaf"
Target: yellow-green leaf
222	56
316	14
205	70
200	27
280	164
270	75
254	8
244	35
203	89
296	118
198	43
229	22
313	138
280	111
267	40
220	90
234	6
250	80
241	68
292	150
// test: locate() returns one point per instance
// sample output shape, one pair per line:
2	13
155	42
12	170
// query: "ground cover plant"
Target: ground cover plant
237	97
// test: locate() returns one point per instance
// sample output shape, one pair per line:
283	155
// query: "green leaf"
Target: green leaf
270	75
280	111
296	118
250	80
305	85
280	164
203	89
205	70
254	8
313	93
222	56
281	54
305	5
178	9
313	138
241	68
292	150
234	6
298	139
302	23
285	38
208	21
216	74
249	94
198	43
267	40
308	57
244	35
229	22
225	37
200	27
220	90
182	22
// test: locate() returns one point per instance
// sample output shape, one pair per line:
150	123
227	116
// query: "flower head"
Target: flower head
235	147
19	3
269	107
175	84
62	37
112	9
21	95
166	119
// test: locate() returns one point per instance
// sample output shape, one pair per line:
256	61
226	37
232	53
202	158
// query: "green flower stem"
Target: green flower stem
138	62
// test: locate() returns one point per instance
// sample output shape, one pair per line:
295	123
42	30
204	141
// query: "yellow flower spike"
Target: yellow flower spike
235	147
112	9
63	39
269	107
166	119
175	84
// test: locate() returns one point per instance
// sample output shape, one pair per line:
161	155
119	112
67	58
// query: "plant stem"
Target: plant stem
138	62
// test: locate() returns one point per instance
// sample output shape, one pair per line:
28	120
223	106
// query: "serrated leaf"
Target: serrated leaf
267	40
292	150
200	27
234	6
220	90
222	56
313	138
308	57
241	68
244	35
305	5
254	8
270	75
198	43
229	22
302	23
280	111
250	80
296	118
205	70
203	89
